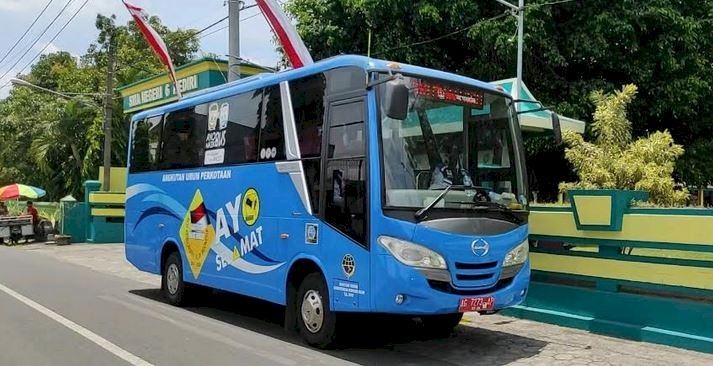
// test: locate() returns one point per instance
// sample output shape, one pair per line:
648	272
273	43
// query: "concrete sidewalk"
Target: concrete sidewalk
487	340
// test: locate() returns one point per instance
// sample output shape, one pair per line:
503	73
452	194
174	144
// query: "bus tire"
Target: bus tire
316	322
441	325
172	285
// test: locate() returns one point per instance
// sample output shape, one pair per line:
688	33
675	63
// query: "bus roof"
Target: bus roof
266	79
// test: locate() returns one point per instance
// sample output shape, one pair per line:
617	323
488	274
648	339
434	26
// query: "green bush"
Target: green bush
614	161
48	210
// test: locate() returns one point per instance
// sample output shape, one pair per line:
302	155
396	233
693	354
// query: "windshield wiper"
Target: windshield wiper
420	214
494	206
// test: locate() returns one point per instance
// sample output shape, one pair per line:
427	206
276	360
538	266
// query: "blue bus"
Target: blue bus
350	185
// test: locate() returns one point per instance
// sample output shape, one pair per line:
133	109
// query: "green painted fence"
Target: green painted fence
105	214
638	273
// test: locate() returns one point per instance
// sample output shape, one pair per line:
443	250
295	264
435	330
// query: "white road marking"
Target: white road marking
84	332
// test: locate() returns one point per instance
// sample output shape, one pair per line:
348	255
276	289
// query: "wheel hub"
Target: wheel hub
312	311
172	278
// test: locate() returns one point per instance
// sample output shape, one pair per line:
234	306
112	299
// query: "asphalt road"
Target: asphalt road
58	313
54	313
84	305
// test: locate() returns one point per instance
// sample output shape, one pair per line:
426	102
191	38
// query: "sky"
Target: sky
16	16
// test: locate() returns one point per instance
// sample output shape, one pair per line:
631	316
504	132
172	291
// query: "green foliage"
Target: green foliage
613	161
47	210
135	59
57	144
571	50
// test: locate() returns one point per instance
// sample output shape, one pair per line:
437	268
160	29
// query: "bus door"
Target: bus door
344	202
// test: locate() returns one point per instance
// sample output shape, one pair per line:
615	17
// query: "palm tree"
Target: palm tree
65	150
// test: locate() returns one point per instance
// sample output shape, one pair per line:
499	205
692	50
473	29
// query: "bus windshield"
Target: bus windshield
462	137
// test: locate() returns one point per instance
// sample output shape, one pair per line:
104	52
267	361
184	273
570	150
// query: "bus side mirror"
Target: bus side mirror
396	99
556	129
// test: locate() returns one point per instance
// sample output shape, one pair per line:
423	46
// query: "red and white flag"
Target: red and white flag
292	44
154	39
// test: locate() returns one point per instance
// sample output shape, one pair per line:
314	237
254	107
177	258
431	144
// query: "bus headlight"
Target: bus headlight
517	255
411	254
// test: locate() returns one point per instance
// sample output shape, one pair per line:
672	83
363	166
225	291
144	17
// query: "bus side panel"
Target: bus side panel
227	222
142	229
259	272
348	267
344	264
239	229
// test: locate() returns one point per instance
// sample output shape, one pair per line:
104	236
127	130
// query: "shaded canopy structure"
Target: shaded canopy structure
449	118
540	121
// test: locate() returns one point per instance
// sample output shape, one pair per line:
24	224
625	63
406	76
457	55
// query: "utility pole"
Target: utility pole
108	100
519	11
520	41
234	7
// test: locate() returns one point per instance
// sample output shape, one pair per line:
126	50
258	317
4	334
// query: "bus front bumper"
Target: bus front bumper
404	290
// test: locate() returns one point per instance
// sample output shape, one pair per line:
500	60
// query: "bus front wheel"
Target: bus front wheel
315	320
442	325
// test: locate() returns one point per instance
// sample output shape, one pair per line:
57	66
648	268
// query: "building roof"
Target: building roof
198	74
219	63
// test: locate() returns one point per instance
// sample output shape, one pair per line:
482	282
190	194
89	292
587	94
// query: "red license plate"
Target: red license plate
476	304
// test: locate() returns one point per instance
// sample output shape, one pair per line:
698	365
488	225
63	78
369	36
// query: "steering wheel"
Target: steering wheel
481	193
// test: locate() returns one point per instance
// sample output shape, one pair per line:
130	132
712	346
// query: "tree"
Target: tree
61	150
134	61
613	161
134	58
20	121
571	50
57	143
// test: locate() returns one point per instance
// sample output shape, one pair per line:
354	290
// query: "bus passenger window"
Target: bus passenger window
308	106
145	144
183	140
241	139
272	136
308	96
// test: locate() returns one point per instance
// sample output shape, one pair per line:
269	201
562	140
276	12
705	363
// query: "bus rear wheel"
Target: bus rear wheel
173	287
316	322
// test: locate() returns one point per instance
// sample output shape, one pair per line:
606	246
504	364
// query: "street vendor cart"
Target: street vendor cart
15	228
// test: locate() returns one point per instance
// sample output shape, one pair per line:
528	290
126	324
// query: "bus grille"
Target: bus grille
475	275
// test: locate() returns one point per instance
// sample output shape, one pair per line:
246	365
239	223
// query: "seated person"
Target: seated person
32	211
451	171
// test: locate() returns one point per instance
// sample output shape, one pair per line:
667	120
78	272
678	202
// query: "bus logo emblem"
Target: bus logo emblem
251	206
348	265
480	247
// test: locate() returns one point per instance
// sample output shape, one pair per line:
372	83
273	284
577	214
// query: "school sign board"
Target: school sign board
200	74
